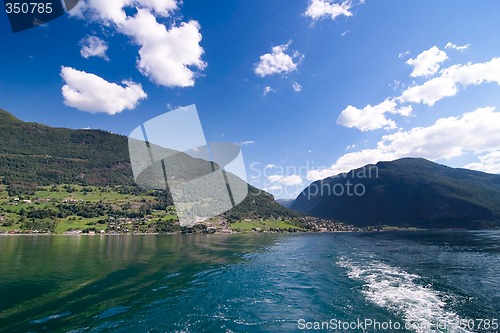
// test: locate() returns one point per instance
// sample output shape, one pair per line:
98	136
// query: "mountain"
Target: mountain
39	154
33	154
409	192
285	202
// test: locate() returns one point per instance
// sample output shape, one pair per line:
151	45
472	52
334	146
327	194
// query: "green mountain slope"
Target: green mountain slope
407	192
33	154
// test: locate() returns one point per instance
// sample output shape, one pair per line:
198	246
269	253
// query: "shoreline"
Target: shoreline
237	233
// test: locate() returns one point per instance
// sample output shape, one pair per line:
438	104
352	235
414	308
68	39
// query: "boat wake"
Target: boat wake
421	307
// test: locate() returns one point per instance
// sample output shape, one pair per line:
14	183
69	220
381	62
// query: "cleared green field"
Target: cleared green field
62	225
246	226
48	197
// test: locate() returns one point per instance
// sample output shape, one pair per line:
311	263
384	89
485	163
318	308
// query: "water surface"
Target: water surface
247	283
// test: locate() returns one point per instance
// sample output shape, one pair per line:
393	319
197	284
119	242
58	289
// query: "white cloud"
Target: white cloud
474	74
474	132
278	61
402	55
275	188
488	163
319	9
160	7
274	178
448	83
372	117
269	166
246	143
431	91
169	57
89	92
462	48
267	90
296	87
287	181
93	46
291	180
427	63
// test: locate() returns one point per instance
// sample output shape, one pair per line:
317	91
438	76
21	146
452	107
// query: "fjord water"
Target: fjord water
246	283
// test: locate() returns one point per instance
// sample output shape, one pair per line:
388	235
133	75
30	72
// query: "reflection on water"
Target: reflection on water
246	283
71	279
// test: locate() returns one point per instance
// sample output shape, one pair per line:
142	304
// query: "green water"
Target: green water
76	279
250	283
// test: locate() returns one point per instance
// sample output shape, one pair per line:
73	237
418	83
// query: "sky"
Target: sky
308	88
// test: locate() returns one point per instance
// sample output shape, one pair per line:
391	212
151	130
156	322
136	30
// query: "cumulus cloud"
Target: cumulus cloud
296	87
267	90
372	117
431	91
92	46
278	61
91	93
451	78
487	163
427	63
319	9
473	132
167	56
462	48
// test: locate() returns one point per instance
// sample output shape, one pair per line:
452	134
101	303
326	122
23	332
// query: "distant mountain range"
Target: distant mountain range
285	202
410	192
33	154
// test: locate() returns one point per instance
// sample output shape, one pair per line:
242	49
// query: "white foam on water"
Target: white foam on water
396	290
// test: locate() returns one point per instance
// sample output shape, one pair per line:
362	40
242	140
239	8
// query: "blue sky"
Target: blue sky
309	89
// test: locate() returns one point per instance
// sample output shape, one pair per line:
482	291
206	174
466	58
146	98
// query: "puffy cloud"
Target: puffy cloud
447	84
431	91
93	46
105	11
319	9
278	61
474	74
296	87
488	163
476	132
160	7
428	62
372	117
267	90
462	48
169	57
291	180
89	92
166	56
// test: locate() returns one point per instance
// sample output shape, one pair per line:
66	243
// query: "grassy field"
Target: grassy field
48	197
